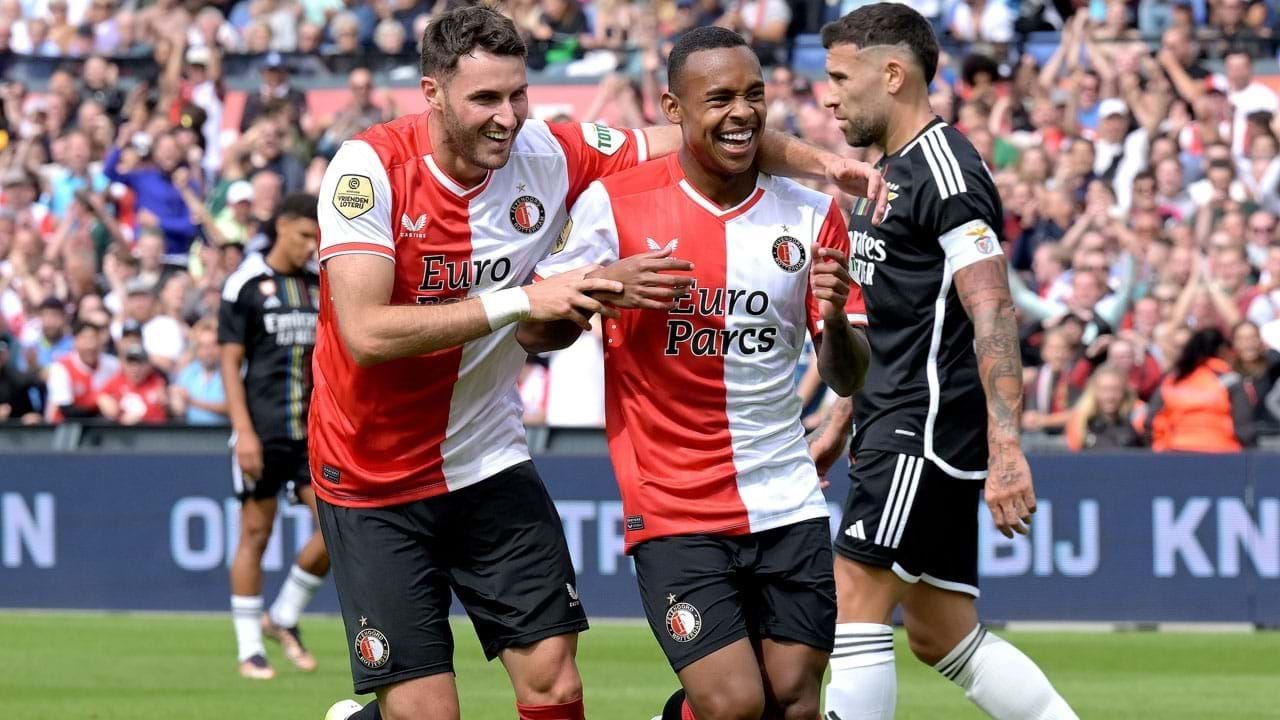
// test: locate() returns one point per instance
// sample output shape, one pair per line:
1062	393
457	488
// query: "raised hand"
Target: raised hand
646	280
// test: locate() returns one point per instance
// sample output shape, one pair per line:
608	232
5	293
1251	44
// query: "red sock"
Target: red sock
686	712
568	711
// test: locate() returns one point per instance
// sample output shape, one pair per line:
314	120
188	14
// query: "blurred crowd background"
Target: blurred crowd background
1134	144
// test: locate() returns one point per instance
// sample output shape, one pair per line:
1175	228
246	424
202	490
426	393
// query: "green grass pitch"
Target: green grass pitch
129	667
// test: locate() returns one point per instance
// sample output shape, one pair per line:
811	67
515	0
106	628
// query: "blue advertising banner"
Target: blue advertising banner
1123	537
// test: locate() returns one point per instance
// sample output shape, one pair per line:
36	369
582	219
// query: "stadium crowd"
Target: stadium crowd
1135	151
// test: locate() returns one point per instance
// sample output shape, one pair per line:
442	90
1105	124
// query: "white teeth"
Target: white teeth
496	136
742	136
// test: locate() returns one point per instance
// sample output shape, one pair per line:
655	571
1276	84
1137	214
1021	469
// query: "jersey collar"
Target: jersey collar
702	201
935	122
441	177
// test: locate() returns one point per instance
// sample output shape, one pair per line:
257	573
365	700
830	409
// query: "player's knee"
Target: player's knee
802	707
255	537
559	683
733	702
928	647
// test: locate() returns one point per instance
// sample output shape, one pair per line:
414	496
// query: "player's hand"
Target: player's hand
249	454
565	297
830	279
863	180
1009	493
825	448
646	280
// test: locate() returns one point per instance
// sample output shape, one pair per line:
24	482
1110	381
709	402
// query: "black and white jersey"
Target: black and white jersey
274	317
922	395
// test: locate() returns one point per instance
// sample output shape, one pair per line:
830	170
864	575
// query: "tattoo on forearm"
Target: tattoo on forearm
984	290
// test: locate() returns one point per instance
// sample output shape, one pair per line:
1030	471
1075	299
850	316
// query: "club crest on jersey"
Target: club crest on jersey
788	253
527	214
267	287
982	239
372	648
353	196
684	622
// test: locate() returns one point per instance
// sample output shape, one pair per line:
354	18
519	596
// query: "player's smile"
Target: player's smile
737	142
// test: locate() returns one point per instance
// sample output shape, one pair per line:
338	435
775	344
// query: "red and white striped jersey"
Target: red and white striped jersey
701	407
423	426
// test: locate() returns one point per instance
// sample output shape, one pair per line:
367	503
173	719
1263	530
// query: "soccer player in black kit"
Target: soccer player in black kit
267	329
939	413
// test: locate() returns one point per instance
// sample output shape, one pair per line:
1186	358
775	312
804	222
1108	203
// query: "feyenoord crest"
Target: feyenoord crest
788	253
683	622
372	648
527	214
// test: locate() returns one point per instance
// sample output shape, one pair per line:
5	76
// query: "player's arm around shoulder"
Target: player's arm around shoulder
358	250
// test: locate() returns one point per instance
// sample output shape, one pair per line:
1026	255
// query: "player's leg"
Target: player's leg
944	632
689	586
309	568
394	594
257	516
510	567
794	611
864	683
940	550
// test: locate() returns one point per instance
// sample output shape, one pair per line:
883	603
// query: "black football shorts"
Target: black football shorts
498	545
904	513
284	467
704	592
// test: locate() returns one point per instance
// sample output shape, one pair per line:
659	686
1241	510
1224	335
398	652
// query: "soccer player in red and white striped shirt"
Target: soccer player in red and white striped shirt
724	514
431	226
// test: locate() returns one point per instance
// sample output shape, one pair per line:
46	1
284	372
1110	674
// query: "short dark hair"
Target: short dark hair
697	40
299	205
887	23
464	30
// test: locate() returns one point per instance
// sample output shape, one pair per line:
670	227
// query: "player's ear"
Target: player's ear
671	108
433	92
895	76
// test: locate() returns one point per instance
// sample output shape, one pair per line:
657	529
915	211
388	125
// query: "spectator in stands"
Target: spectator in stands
275	86
137	393
52	342
262	149
981	20
1258	368
1049	395
154	177
357	114
1104	418
1245	94
1202	405
558	34
235	224
197	396
15	388
763	23
74	173
75	381
1179	57
1229	33
163	337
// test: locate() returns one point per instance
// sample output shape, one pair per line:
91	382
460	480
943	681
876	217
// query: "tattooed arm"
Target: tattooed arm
984	290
